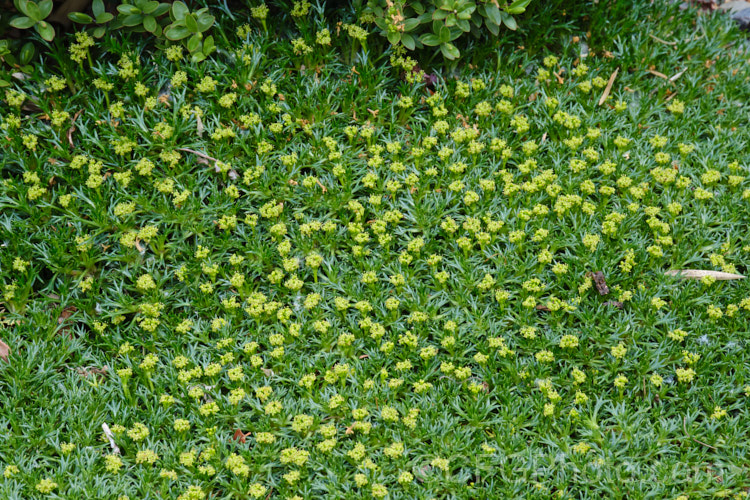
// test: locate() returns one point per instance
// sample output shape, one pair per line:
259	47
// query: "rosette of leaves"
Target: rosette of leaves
142	16
17	60
34	15
190	27
100	18
437	23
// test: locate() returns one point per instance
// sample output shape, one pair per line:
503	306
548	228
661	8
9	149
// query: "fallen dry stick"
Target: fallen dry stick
111	438
697	274
660	75
661	41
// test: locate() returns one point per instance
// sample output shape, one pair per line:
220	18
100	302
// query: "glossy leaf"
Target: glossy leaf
493	14
179	10
518	7
34	12
97	7
132	20
194	43
410	24
45	7
205	21
450	51
150	7
128	10
191	24
104	18
175	33
444	34
46	30
22	23
509	22
430	40
208	45
408	41
149	23
80	18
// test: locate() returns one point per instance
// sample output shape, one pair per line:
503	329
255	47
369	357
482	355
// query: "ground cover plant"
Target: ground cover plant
302	269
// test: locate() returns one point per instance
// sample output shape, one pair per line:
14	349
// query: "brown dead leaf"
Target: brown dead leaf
93	371
349	430
614	303
608	88
199	125
4	351
240	436
543	308
268	372
697	274
66	313
599	282
73	128
364	356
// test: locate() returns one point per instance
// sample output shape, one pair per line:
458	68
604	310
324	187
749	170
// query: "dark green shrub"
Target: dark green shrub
438	23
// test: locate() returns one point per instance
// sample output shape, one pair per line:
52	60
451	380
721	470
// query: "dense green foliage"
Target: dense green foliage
299	268
439	23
